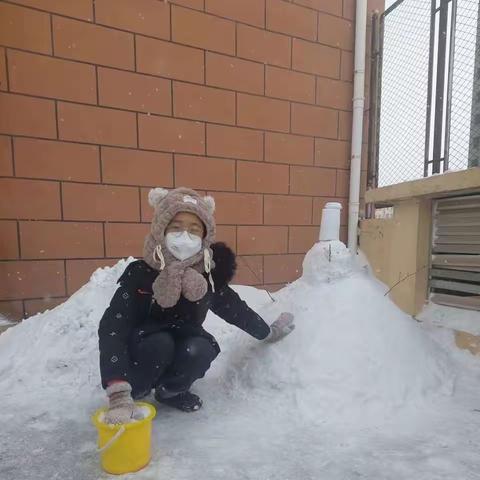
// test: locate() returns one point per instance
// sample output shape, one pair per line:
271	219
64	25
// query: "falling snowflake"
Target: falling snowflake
114	359
112	334
118	315
125	296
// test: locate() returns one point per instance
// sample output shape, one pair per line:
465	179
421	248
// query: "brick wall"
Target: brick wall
247	100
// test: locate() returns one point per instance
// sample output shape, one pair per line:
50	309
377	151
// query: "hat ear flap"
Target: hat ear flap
156	195
210	201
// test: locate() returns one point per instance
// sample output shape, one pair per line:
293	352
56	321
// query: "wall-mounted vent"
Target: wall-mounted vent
455	269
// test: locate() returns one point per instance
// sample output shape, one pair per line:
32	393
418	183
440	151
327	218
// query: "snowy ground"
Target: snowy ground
359	390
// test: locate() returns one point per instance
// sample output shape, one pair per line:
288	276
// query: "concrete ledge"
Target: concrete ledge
445	184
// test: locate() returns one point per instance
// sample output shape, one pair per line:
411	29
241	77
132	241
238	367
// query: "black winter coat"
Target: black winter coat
134	314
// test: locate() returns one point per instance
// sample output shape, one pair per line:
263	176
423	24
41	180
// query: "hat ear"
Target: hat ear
210	201
156	195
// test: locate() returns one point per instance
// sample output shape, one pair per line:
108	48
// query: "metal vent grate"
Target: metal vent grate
455	269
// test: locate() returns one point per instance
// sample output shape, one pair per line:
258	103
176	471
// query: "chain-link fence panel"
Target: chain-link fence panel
428	89
465	102
404	85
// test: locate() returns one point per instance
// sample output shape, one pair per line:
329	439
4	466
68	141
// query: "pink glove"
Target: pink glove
281	327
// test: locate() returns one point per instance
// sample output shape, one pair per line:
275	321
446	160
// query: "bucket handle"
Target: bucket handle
120	432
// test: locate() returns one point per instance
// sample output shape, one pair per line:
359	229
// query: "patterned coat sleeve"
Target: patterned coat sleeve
228	305
129	306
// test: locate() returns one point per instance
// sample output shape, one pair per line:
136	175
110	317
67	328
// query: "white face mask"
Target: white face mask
183	245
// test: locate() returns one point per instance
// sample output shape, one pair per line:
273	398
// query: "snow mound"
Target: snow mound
353	352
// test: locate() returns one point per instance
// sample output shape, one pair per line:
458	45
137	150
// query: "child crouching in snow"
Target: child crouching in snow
151	335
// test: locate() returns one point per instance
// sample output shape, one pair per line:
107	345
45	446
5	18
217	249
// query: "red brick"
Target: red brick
234	142
132	91
312	181
343	186
373	5
125	239
334	94
329	6
287	210
80	271
31	279
345	125
79	8
335	31
238	208
170	60
302	239
319	203
263	113
136	167
349	9
291	149
291	19
234	73
346	63
40	305
246	11
100	202
6	161
290	85
204	173
3	70
56	160
8	240
93	43
332	153
228	235
310	120
203	103
282	268
197	4
176	135
24	28
49	240
249	271
12	311
30	199
313	58
82	123
149	17
256	177
51	77
262	240
263	46
202	30
27	116
273	287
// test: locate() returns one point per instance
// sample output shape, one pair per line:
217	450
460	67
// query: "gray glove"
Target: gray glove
121	406
281	327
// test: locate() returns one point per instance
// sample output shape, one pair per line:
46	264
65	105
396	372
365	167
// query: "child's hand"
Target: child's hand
281	327
121	405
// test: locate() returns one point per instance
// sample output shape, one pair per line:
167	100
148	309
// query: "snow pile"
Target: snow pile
450	317
352	353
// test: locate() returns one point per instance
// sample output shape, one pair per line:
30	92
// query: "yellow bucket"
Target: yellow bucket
125	448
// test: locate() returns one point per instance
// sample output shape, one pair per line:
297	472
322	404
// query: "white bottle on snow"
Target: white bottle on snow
330	226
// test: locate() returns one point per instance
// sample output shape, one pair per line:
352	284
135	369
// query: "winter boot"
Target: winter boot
185	401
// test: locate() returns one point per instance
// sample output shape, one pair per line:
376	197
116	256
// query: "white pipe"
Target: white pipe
357	123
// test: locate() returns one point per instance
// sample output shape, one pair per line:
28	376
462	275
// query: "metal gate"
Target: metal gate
455	266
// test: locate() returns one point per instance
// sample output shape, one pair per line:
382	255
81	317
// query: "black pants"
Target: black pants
161	359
